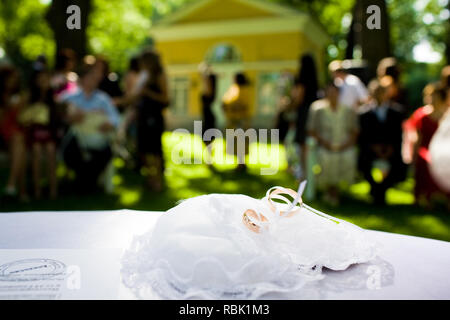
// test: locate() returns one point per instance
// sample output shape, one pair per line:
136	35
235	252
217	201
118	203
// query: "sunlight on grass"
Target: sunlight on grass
117	180
186	149
61	171
128	197
188	174
429	226
360	190
407	185
183	148
377	175
187	193
268	157
396	196
220	158
374	222
118	163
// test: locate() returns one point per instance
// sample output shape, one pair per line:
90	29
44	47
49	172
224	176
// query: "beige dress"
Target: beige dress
335	127
236	106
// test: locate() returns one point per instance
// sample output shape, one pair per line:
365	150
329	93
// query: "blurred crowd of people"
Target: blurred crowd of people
358	129
353	130
77	114
80	114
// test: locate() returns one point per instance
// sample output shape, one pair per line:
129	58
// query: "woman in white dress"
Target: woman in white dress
440	151
237	247
335	128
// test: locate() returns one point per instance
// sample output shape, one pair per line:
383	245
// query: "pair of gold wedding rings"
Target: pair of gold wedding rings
251	219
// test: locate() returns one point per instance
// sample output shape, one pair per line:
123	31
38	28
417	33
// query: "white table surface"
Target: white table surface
407	268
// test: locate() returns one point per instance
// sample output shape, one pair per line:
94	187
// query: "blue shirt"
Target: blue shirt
97	101
88	135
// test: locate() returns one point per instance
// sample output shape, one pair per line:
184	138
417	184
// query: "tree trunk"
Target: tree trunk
71	39
350	41
375	44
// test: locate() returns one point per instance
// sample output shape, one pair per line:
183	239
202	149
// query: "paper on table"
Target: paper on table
59	274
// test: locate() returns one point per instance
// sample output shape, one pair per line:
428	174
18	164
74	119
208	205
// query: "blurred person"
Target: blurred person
286	122
287	126
93	120
427	94
110	81
39	121
208	96
353	92
236	106
11	104
151	90
380	139
445	76
64	79
131	94
305	91
439	150
131	76
128	101
389	67
423	124
410	134
283	120
41	63
335	128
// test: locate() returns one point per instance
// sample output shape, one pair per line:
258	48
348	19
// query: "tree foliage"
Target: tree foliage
415	21
334	15
24	33
118	28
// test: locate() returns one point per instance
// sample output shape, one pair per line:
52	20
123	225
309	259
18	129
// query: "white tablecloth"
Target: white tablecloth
407	268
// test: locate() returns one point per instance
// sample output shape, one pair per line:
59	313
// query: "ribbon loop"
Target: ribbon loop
254	221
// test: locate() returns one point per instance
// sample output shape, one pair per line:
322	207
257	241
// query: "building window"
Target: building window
268	93
179	95
223	53
272	86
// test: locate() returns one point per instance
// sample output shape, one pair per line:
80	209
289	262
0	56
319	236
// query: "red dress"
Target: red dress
9	119
9	125
426	127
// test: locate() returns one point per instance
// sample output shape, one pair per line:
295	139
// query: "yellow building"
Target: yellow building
259	38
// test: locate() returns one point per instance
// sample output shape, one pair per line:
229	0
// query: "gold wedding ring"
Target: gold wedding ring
290	192
250	215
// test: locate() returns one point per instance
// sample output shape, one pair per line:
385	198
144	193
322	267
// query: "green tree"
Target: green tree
416	21
334	15
119	28
24	33
412	21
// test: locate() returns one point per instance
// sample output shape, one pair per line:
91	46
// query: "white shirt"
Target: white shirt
352	91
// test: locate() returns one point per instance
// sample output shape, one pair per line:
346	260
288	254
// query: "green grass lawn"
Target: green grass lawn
189	180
